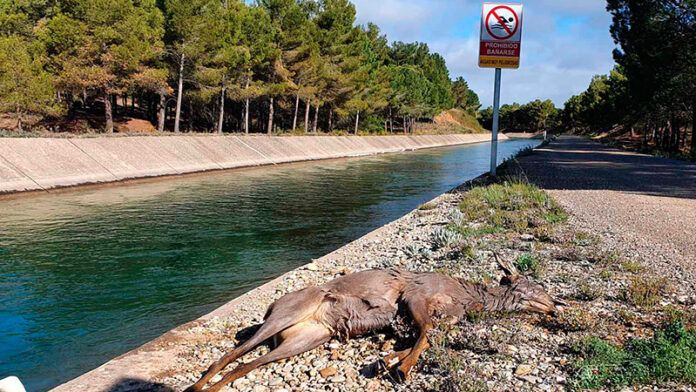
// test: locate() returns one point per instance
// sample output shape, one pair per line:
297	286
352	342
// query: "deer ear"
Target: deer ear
509	280
506	266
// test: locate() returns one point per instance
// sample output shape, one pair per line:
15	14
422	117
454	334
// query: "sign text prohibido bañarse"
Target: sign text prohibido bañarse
501	36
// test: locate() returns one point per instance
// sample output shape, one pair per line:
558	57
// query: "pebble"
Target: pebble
328	372
523	370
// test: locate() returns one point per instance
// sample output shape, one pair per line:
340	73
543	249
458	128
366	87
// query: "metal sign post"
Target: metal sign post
496	122
501	41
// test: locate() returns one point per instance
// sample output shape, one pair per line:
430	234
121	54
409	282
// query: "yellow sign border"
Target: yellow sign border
499	62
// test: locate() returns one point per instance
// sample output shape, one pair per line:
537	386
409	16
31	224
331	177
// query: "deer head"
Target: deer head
523	294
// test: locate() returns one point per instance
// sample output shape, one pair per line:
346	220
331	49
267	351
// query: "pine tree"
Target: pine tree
24	86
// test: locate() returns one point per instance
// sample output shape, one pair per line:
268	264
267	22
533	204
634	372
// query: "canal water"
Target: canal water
86	275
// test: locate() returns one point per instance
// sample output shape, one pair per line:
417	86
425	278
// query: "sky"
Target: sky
564	43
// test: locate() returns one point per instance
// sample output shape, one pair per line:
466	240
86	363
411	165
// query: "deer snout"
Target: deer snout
541	304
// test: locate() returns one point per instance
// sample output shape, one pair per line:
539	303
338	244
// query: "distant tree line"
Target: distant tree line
652	90
534	116
218	65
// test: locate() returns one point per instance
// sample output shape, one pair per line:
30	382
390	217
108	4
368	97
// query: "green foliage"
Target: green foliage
444	238
272	54
670	355
464	97
534	116
515	206
528	264
24	85
652	89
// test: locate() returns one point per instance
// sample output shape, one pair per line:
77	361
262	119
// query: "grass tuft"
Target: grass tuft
516	206
669	356
529	265
645	291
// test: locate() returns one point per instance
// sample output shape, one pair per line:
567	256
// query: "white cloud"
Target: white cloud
564	44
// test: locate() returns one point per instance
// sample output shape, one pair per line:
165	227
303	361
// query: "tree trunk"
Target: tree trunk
308	104
297	109
179	94
221	118
114	104
20	126
405	126
330	119
357	121
108	114
316	117
161	111
391	120
693	130
246	111
674	135
270	115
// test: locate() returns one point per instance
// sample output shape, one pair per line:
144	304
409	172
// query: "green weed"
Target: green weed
529	265
516	206
670	355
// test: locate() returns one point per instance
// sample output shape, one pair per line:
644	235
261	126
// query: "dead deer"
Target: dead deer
366	301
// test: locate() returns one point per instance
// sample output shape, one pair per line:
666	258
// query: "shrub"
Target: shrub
514	206
528	265
444	238
453	372
576	319
670	355
631	266
646	291
589	292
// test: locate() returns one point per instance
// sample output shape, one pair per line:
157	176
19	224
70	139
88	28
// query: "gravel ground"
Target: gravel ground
642	205
622	228
588	262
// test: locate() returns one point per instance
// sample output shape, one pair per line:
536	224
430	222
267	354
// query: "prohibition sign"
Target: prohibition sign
501	19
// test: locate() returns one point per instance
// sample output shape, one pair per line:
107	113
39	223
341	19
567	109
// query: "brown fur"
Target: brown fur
366	301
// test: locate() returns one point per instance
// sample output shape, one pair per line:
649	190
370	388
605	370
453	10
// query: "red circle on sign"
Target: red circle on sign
492	13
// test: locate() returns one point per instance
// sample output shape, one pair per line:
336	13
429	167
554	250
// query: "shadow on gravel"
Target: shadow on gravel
138	385
577	163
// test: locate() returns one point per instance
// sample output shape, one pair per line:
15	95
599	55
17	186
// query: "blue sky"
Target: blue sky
564	43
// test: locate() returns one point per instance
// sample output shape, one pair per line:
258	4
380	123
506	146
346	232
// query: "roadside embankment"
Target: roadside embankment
34	164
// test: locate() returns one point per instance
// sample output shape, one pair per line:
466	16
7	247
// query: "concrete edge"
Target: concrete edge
45	164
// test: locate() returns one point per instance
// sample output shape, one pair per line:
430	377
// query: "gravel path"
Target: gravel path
643	205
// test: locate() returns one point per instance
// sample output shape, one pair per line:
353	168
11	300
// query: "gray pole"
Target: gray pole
496	118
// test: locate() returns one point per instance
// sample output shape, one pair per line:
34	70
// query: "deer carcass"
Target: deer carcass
366	301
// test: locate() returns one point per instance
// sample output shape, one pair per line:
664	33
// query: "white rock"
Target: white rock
11	384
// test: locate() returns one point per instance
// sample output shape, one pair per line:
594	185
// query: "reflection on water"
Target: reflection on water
89	274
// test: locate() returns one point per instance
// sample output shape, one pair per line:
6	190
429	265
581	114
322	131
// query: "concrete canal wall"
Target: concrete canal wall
36	164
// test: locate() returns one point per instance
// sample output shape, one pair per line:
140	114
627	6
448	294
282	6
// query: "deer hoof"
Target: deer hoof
391	360
401	373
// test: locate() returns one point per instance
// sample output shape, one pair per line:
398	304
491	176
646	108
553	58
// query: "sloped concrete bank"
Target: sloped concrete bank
41	164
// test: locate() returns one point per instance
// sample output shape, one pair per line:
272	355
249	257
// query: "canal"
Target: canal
88	274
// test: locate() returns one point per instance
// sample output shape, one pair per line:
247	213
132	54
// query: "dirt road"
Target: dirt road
641	204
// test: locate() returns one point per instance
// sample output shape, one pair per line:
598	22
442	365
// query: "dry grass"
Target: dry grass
646	291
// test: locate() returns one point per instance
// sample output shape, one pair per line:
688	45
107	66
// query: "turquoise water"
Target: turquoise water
86	275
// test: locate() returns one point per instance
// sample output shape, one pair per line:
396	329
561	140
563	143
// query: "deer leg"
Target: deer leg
266	332
294	340
421	316
300	304
396	357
